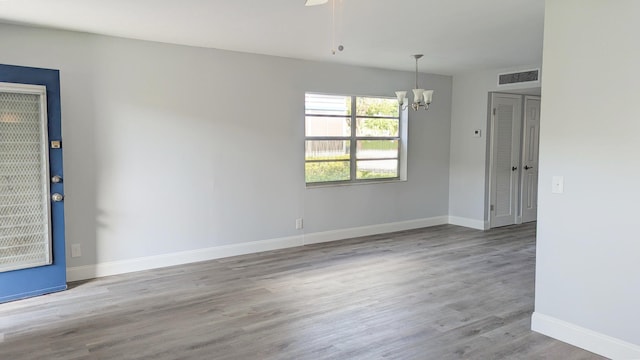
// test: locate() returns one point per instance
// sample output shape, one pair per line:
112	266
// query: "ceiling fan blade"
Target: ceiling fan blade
315	2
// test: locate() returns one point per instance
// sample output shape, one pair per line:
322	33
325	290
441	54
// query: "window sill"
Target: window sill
356	183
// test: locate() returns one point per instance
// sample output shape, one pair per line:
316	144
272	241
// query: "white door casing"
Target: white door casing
506	115
530	141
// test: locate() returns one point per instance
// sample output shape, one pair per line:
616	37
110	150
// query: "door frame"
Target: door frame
18	284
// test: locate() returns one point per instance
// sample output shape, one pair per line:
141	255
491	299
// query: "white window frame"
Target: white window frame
402	139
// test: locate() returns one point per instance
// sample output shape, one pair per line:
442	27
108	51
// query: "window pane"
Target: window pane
326	171
327	126
376	107
377	169
327	149
318	104
377	127
377	149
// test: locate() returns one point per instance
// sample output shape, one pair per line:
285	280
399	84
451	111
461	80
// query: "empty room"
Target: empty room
319	179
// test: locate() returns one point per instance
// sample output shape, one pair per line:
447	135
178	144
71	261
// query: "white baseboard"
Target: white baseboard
333	235
470	223
179	258
217	252
584	338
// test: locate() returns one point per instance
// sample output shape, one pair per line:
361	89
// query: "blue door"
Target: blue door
32	251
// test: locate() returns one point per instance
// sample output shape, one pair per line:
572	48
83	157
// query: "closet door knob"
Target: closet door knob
514	168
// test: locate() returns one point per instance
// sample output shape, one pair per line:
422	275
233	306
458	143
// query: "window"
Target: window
352	139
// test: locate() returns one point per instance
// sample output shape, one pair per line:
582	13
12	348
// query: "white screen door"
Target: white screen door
25	239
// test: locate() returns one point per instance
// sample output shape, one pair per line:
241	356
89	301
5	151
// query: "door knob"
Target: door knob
527	167
56	179
57	197
514	168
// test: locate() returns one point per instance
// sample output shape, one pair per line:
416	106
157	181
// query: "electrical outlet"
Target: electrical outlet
76	250
299	224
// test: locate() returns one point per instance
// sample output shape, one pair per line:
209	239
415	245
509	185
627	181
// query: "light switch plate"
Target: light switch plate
557	184
477	133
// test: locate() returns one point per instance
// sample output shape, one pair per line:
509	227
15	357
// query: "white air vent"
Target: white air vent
519	77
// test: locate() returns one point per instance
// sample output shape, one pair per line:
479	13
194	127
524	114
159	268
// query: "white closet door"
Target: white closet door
530	140
505	158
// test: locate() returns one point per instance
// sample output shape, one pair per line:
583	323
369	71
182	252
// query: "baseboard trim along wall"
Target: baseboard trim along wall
326	236
584	338
179	258
218	252
470	223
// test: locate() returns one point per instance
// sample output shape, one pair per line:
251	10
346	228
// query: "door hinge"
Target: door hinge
491	208
494	111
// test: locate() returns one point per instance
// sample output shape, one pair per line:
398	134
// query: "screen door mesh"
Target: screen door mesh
24	212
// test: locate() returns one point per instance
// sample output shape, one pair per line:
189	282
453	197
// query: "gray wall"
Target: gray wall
468	168
171	148
588	268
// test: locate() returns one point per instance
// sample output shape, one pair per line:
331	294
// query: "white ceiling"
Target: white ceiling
455	35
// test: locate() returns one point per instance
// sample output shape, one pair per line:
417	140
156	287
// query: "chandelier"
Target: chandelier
421	97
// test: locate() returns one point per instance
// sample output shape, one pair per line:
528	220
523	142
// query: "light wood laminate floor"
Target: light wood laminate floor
444	292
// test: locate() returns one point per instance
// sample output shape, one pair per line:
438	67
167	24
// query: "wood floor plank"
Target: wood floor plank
444	292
